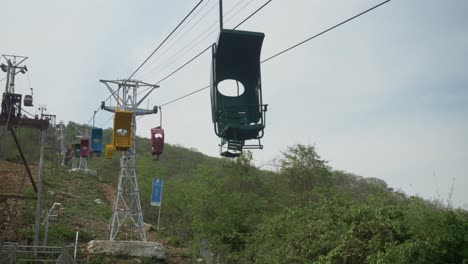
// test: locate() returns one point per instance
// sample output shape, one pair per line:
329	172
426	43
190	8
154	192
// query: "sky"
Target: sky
383	96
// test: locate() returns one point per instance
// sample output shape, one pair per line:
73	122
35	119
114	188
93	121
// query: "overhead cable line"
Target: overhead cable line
97	110
192	44
164	41
107	121
196	56
187	95
157	48
290	48
182	97
240	10
175	40
325	31
178	54
236	5
178	69
251	15
190	20
199	54
185	64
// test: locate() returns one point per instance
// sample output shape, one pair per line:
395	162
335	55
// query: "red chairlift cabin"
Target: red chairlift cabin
157	141
84	147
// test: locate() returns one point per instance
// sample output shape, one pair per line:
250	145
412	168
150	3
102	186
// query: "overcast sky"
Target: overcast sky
383	96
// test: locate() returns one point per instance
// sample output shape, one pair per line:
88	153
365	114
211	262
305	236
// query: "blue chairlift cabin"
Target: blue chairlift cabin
96	141
238	117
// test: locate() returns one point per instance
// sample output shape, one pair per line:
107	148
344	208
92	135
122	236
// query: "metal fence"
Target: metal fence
11	253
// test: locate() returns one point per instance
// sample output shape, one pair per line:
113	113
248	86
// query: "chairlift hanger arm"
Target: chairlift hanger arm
145	84
112	81
114	94
23	58
78	131
127	83
108	108
17	56
146	95
137	111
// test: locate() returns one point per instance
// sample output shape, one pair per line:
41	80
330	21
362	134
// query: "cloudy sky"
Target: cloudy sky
384	96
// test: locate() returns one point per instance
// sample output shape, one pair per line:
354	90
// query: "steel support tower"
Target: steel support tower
81	165
11	117
74	162
126	211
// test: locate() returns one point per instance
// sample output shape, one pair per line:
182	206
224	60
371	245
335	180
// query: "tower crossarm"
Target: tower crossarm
137	111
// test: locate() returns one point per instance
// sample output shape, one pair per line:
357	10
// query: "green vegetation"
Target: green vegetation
232	212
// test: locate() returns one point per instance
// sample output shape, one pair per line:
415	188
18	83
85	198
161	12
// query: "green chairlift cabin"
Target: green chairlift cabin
239	117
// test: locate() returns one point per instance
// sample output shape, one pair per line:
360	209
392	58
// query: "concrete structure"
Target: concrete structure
127	248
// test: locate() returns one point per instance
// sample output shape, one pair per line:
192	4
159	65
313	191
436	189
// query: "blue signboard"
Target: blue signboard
156	194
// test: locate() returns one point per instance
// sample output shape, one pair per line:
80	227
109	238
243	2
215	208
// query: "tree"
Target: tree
305	169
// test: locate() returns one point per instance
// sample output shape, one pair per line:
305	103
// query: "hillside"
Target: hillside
222	211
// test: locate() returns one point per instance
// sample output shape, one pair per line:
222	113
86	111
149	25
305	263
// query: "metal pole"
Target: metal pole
160	116
94	117
160	201
13	73
76	244
39	191
7	85
62	142
159	215
13	133
46	231
220	14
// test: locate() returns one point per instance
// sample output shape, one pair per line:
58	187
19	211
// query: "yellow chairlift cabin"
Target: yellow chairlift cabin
122	133
109	151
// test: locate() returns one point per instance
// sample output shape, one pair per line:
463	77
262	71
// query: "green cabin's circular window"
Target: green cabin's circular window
231	88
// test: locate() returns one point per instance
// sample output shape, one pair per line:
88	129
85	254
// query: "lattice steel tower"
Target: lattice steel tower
126	211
